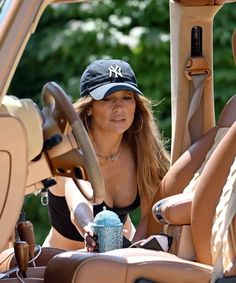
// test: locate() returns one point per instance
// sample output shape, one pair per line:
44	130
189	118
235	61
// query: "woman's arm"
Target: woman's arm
81	210
141	230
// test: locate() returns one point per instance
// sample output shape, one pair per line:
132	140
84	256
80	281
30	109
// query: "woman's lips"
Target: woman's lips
118	120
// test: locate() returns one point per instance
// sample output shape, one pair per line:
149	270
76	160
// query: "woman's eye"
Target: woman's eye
128	97
106	99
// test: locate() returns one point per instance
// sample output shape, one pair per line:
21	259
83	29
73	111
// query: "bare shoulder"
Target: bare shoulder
59	188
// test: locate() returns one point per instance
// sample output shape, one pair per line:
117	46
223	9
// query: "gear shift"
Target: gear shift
26	233
21	249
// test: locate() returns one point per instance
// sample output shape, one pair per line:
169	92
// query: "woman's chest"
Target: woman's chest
120	183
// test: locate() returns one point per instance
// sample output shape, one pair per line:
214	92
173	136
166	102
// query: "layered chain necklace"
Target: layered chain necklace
112	157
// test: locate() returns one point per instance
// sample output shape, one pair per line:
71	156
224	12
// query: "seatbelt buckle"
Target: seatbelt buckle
197	66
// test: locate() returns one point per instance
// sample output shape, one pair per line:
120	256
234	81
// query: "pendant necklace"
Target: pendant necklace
112	157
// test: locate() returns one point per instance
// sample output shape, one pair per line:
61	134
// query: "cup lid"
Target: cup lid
107	218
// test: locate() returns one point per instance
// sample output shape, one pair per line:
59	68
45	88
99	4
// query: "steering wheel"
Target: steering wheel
54	98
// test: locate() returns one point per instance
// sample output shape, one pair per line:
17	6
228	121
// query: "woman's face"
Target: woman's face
114	113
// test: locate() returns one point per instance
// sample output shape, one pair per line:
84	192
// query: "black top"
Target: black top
59	215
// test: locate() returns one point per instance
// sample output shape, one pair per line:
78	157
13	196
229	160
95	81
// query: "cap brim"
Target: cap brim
103	91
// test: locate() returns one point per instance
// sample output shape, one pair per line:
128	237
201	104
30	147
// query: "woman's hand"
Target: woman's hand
89	241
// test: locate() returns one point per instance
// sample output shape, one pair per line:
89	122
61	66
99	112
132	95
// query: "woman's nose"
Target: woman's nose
118	104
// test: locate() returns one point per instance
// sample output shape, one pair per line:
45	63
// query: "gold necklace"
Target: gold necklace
112	157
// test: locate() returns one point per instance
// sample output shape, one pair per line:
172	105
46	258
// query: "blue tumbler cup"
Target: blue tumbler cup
109	230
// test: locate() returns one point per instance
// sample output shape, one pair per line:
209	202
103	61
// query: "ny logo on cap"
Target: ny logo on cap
116	70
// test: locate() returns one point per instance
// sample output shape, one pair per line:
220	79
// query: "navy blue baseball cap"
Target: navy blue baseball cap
105	76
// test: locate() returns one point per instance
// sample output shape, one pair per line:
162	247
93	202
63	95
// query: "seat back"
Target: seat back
21	140
13	164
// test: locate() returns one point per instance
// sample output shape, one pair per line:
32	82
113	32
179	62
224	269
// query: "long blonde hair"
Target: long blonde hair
146	142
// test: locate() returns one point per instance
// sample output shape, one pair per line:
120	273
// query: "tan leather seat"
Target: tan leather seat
184	175
129	265
184	169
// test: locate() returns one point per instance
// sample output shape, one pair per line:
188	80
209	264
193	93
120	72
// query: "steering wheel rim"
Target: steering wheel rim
53	94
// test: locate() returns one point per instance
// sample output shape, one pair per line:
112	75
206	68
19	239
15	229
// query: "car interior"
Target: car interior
194	204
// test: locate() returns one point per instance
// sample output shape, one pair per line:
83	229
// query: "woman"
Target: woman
130	153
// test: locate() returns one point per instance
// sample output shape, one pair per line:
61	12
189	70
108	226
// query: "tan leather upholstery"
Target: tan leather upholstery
7	258
27	112
130	264
175	210
125	265
13	164
187	165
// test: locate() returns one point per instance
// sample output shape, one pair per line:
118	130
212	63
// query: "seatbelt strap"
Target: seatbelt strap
225	211
196	70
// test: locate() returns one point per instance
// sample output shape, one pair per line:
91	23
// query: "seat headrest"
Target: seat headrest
228	114
26	110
